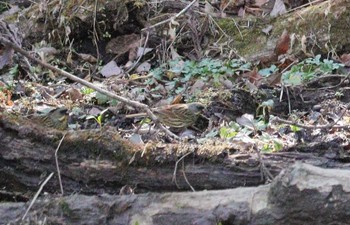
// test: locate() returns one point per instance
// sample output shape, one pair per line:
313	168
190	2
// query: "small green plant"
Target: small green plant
86	91
295	128
230	131
268	71
309	69
65	208
99	118
14	70
339	94
264	109
271	144
180	72
102	99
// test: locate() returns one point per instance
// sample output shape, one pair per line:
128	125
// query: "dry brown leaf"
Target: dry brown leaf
177	100
274	79
253	76
283	43
87	58
73	94
345	59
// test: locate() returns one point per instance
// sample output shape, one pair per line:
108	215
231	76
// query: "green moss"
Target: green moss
244	35
64	206
306	23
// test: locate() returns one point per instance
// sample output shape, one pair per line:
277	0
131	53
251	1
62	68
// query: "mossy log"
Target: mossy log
100	161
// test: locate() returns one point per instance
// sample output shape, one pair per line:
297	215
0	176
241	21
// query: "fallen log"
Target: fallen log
301	194
100	161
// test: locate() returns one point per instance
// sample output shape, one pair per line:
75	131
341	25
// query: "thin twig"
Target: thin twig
185	177
175	169
328	126
57	167
265	172
171	18
95	34
303	6
36	195
345	77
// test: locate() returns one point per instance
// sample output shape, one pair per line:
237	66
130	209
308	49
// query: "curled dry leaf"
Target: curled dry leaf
283	43
345	59
254	77
177	100
73	94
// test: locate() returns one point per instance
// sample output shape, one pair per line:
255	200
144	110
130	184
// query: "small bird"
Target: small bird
56	118
177	116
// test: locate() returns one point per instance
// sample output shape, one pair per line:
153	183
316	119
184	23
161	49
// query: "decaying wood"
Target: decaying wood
99	161
301	194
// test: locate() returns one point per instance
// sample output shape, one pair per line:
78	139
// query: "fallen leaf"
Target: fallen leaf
246	120
87	58
260	3
274	79
6	56
267	29
345	59
111	69
143	67
283	43
73	94
278	9
253	76
143	51
176	100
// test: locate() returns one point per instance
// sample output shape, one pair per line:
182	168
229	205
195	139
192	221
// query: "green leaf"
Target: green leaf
101	98
295	128
86	90
278	146
268	71
227	133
